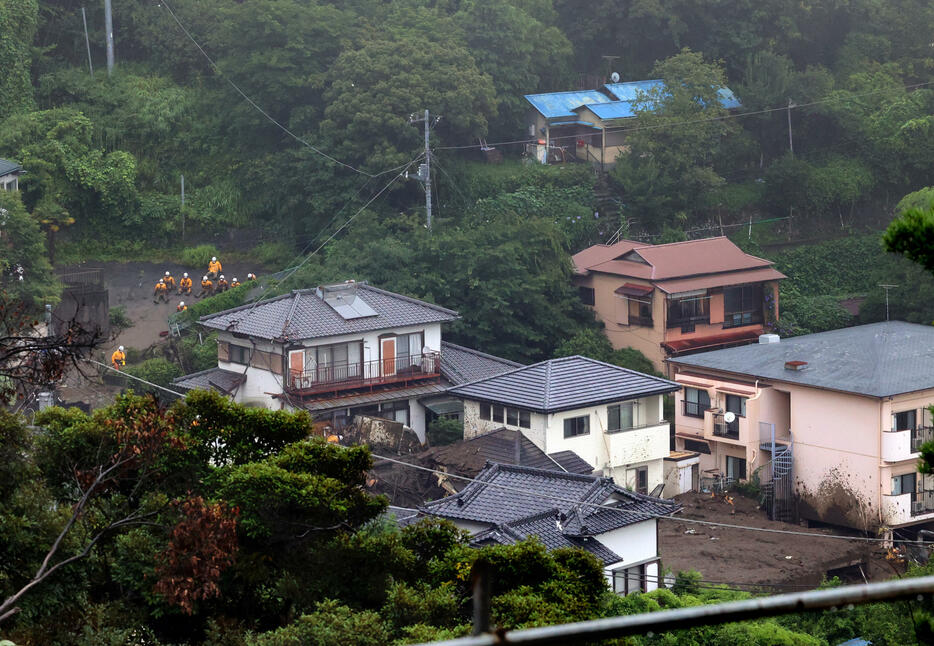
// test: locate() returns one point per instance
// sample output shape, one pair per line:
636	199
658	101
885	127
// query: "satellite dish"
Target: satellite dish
729	417
614	77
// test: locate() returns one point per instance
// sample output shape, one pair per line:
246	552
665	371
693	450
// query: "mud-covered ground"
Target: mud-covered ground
741	556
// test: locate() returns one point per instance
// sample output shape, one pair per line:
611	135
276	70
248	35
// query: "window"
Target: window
525	419
498	414
629	580
640	311
587	295
903	484
696	401
684	312
742	305
239	354
736	404
619	417
698	447
905	420
642	480
485	411
512	417
408	350
735	468
574	426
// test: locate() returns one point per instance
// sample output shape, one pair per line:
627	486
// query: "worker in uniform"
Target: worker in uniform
169	282
222	284
214	268
184	285
234	283
181	307
251	276
207	287
118	358
160	292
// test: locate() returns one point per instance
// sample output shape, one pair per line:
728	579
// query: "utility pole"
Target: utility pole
87	42
424	170
791	144
183	208
887	288
109	28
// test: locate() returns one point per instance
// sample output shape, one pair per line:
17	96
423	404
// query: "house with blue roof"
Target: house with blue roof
586	125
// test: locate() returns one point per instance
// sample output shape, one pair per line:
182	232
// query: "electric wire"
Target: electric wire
129	376
253	103
647	515
737	115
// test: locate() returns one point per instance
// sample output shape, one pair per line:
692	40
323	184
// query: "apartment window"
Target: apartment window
485	411
735	468
640	311
574	426
630	580
696	401
498	414
696	446
512	416
239	354
688	310
905	420
742	305
642	480
904	484
525	419
619	417
587	295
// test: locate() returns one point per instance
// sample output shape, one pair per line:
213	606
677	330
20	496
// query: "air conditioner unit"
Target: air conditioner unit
917	507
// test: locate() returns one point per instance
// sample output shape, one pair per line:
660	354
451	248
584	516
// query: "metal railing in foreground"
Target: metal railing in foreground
683	618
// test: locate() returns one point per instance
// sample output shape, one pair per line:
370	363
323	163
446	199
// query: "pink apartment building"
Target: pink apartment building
831	423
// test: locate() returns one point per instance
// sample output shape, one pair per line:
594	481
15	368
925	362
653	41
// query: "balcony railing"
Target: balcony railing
722	428
922	502
739	319
366	374
694	409
643	321
921	436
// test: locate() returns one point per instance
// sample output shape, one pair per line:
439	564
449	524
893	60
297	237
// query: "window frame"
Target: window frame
900	479
740	462
242	353
696	315
643	311
912	414
699	413
486	410
587	295
751	304
571	424
610	428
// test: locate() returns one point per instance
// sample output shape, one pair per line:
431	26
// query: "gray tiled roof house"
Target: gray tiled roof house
8	166
515	500
217	378
879	359
301	314
470	456
564	384
460	365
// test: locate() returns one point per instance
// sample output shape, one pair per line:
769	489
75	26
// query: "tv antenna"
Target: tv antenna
887	288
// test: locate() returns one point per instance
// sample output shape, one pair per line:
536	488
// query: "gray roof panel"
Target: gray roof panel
879	359
460	365
564	384
218	379
8	166
302	314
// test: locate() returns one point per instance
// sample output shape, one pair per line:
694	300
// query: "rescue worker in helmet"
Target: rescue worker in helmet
118	358
234	283
184	285
214	268
207	287
181	307
160	292
169	282
222	284
251	276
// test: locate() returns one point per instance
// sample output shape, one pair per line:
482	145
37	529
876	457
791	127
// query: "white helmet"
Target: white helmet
185	274
166	273
120	348
213	258
235	279
181	303
205	277
162	280
222	275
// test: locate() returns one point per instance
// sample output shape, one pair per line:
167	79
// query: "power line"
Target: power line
257	107
645	514
129	376
737	115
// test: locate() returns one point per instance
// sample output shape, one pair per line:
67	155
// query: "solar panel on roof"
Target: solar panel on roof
344	300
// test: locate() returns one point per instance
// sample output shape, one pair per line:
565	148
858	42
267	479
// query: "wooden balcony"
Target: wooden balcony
343	378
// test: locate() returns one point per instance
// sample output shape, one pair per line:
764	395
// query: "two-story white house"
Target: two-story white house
611	417
338	351
509	503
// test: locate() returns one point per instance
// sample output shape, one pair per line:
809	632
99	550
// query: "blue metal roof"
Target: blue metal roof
628	92
553	105
612	110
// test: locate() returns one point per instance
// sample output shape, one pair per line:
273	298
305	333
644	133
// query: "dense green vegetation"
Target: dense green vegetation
199	534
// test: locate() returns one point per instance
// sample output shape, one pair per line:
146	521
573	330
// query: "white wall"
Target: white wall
474	426
417	419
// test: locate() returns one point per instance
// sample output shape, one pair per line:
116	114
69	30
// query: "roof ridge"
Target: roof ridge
254	304
533	517
416	301
545	472
547	394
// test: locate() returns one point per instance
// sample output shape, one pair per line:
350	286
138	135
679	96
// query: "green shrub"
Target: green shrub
686	582
273	254
119	320
224	301
158	371
198	256
330	623
444	430
196	356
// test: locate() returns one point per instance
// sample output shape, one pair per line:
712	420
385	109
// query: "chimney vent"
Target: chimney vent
796	365
769	338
